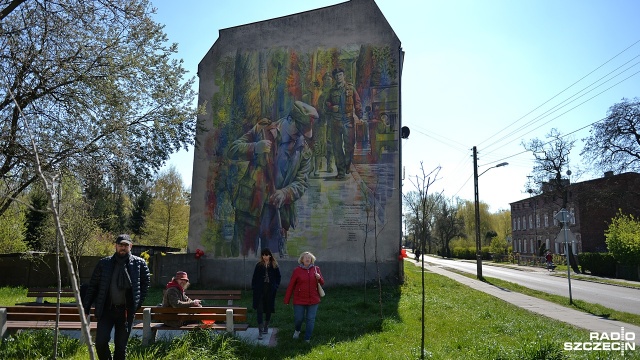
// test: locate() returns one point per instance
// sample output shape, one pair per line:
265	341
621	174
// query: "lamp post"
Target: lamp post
477	208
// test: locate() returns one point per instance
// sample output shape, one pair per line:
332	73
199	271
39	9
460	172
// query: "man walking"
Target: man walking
344	106
118	288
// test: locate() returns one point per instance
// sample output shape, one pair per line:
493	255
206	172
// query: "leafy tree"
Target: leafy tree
141	207
12	231
623	239
97	83
168	220
36	219
448	225
614	143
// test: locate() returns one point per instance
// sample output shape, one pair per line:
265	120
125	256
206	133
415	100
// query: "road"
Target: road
614	297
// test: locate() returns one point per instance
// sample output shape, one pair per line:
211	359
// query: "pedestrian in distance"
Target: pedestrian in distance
175	296
303	286
265	283
118	287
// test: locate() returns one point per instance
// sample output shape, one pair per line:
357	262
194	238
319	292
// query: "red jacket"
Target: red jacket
303	286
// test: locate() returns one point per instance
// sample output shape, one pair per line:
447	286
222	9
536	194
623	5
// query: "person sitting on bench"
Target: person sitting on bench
175	297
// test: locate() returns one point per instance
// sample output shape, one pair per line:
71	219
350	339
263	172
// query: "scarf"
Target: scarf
174	284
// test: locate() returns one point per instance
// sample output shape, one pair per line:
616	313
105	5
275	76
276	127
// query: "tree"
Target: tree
36	219
168	220
623	239
448	225
614	142
550	160
12	231
99	87
141	206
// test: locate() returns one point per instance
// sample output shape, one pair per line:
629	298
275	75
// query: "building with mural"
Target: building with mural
299	149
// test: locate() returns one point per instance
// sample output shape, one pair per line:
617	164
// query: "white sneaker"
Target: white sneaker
296	334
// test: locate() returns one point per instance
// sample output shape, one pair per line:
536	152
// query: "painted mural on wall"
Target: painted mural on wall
303	147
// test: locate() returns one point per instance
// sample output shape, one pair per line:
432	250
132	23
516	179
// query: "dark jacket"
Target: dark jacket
257	285
98	289
303	286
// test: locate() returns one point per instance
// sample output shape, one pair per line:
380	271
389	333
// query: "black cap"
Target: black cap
124	238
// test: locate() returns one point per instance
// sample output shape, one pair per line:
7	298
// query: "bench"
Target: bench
228	295
14	318
41	293
153	318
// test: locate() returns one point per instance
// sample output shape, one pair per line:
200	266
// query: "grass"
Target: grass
460	323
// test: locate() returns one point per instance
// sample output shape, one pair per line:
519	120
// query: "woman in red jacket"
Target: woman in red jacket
304	288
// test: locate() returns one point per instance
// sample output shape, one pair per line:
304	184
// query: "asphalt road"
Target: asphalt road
614	297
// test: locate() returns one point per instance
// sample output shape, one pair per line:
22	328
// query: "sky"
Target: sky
491	74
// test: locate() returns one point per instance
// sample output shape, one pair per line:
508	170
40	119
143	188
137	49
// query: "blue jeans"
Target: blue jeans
299	315
113	317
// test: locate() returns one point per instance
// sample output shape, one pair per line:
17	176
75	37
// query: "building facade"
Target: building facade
299	149
591	205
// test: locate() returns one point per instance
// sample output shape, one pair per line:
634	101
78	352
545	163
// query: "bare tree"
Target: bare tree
422	185
614	143
551	158
448	225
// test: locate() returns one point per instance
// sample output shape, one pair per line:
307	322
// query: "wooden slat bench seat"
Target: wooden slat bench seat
228	295
14	318
41	293
227	318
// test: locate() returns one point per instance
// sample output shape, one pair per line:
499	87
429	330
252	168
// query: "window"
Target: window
546	220
530	221
514	225
537	221
573	216
518	223
555	221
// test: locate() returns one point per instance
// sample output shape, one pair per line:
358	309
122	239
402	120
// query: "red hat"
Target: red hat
181	275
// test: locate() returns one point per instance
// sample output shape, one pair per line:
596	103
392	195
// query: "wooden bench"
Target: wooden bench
14	318
41	293
226	318
228	295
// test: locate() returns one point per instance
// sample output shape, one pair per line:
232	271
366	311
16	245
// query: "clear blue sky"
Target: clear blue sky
488	73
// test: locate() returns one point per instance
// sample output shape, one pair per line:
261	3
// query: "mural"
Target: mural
302	149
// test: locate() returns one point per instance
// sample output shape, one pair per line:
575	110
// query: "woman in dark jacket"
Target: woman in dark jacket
265	283
303	286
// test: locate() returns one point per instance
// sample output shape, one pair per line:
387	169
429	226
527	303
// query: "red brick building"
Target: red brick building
592	204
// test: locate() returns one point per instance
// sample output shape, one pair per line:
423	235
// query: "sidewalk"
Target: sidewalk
558	312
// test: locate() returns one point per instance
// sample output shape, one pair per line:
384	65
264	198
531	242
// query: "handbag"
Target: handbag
320	289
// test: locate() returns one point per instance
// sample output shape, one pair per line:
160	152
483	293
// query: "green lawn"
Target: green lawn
460	323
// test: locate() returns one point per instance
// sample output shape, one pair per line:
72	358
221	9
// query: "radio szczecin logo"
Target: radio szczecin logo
606	341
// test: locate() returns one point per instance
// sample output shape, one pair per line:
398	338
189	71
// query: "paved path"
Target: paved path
546	308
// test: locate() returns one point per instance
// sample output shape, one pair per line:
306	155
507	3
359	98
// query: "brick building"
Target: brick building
592	204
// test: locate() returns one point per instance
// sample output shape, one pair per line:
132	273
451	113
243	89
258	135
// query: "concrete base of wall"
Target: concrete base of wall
237	273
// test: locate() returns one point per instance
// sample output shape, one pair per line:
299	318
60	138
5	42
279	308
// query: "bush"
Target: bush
600	264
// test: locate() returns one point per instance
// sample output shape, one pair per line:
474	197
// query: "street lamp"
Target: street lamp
477	206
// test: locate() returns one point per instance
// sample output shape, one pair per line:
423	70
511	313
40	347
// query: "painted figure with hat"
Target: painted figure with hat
175	297
345	109
277	175
117	288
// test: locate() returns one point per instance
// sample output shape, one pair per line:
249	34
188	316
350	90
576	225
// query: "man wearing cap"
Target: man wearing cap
175	297
277	175
118	287
345	109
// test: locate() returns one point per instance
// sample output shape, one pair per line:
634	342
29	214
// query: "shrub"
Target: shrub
623	239
600	264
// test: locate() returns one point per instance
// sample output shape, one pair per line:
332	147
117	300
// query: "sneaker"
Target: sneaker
296	334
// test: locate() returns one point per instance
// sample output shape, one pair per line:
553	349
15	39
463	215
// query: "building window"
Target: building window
555	221
530	221
573	216
546	220
514	225
518	223
537	221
